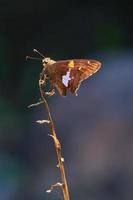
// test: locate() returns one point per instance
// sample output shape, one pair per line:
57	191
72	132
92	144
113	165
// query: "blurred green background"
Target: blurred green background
95	128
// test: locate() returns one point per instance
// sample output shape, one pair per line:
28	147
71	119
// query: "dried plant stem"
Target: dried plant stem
60	165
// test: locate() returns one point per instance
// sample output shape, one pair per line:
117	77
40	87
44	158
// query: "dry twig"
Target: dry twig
63	184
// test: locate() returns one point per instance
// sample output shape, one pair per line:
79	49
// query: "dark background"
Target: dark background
95	128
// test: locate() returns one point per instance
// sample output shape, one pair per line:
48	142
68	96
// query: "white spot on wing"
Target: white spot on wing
66	78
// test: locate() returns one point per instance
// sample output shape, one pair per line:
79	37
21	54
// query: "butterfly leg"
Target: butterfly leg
51	91
42	82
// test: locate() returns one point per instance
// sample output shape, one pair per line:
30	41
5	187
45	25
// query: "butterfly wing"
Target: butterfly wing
57	74
81	71
62	89
88	68
68	74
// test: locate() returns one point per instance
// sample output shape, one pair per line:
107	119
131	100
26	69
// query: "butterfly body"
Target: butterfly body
66	75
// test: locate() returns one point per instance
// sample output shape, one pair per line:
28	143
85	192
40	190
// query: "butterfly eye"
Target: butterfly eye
43	61
47	60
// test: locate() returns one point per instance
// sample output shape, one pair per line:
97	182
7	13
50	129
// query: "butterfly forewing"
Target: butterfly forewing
68	74
87	68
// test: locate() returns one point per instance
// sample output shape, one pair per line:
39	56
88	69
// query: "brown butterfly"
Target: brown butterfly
67	75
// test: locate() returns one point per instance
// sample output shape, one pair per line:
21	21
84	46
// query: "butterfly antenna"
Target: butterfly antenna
32	58
36	51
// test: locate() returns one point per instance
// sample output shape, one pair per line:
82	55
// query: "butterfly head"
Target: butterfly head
47	61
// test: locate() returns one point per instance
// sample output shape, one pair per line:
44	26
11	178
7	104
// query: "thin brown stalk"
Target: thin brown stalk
60	159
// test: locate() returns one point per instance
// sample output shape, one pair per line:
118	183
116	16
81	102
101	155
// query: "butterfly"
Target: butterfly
67	75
